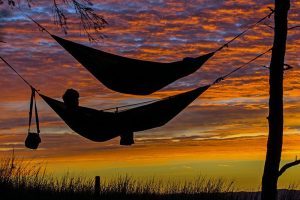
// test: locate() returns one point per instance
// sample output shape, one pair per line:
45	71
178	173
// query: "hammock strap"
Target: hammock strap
33	101
17	73
242	66
30	109
246	30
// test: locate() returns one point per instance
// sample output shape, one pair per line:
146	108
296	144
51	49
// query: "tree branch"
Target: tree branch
89	19
91	22
287	67
287	166
59	17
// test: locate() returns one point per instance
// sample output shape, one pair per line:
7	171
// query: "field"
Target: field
25	180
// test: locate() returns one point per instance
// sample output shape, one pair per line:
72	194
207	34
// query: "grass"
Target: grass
25	180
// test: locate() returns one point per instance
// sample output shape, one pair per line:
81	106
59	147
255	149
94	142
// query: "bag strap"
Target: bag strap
37	121
33	101
30	108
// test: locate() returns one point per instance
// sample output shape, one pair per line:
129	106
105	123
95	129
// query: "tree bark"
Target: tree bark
274	146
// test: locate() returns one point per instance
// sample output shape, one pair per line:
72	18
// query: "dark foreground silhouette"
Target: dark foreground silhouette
21	179
125	188
99	126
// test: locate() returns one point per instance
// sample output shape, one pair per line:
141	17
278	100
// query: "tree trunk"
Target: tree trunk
274	146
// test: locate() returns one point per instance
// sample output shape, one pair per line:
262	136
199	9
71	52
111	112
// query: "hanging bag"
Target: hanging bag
33	138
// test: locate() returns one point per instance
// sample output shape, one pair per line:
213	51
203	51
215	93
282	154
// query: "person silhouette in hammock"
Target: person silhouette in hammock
71	100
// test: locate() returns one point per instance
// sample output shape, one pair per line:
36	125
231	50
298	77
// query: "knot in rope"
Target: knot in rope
218	80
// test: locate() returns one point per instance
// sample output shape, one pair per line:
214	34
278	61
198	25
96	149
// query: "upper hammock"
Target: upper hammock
127	75
102	126
132	76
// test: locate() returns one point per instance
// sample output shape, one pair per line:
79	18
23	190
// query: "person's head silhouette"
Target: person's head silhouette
71	98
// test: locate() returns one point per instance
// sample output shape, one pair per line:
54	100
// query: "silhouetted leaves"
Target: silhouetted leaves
91	22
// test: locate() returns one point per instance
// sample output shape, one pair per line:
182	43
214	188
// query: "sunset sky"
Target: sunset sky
221	134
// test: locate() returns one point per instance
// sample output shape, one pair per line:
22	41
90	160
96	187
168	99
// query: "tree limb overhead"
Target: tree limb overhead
91	22
287	166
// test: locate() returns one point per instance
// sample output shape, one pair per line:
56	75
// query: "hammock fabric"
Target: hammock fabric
131	76
101	126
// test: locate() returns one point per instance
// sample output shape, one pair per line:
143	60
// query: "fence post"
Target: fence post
97	186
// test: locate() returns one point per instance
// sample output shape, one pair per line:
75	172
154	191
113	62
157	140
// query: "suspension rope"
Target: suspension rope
246	30
242	66
39	25
215	82
17	73
32	99
151	101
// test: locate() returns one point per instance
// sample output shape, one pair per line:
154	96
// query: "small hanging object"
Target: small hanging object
33	138
127	139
